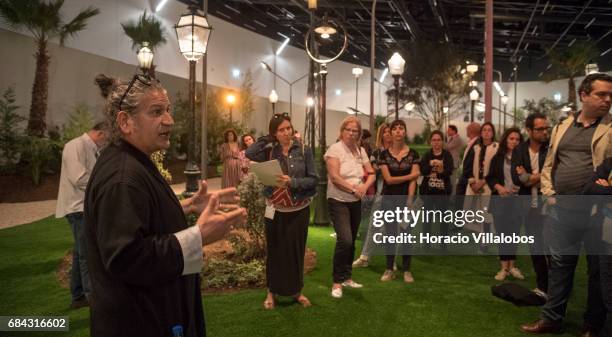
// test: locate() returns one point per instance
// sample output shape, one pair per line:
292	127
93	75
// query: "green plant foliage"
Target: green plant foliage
222	274
546	106
157	158
10	131
146	29
246	96
252	246
40	155
80	121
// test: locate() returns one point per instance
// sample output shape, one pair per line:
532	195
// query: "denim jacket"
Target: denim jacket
300	162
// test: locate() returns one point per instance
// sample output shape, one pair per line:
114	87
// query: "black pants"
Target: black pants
605	263
534	225
345	216
438	202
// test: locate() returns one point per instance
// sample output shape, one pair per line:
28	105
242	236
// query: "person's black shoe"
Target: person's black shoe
80	303
588	331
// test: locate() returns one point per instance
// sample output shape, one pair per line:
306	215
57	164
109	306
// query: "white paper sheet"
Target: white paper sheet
266	171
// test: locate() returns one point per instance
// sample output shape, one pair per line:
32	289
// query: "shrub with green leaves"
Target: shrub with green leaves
222	274
40	155
80	121
11	131
251	198
158	159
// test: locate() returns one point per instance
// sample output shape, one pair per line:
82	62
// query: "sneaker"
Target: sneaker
388	275
540	293
516	273
352	284
501	275
336	292
408	278
360	263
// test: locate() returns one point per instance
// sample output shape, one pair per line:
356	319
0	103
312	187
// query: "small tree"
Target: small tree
546	106
147	29
10	130
246	97
44	20
569	63
79	121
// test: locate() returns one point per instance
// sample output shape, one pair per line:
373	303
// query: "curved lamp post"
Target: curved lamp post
192	32
324	30
396	68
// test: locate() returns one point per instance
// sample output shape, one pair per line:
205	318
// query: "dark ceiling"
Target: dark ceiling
554	24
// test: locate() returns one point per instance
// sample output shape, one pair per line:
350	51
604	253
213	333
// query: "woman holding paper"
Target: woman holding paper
287	212
350	175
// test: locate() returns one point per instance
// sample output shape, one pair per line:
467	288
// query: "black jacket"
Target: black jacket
520	157
135	260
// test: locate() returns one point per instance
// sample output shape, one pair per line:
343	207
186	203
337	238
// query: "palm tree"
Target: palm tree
44	20
147	29
569	63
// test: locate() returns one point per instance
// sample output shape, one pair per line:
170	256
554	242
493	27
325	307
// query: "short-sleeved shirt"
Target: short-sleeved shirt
398	168
351	170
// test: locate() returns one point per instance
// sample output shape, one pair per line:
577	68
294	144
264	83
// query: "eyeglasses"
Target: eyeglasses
146	80
351	130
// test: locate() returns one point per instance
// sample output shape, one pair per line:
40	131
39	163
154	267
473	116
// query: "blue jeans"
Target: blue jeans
80	284
565	233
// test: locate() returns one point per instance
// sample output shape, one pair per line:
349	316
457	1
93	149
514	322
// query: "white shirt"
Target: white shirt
351	170
78	160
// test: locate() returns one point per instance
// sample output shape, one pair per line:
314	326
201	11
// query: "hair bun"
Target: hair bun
106	84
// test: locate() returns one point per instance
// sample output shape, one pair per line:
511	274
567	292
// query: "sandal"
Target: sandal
268	304
303	300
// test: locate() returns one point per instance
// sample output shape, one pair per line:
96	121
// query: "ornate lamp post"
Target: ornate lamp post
357	72
192	32
474	96
145	58
396	68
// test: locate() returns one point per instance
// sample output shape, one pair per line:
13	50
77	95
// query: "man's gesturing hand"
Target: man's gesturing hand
199	201
214	225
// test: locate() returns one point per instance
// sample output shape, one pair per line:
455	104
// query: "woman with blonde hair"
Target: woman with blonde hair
383	141
347	164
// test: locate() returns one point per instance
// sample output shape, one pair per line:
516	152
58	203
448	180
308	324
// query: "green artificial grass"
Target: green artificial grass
451	295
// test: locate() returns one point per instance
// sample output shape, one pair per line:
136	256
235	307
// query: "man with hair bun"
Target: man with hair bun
144	259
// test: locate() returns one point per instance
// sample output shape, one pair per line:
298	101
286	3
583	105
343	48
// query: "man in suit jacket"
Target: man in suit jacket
527	162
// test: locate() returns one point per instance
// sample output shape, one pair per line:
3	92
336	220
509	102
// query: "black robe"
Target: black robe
135	261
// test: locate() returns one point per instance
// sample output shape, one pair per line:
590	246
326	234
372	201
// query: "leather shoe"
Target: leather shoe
541	326
588	333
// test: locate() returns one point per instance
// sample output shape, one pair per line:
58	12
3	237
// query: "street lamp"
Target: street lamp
474	96
266	66
409	107
324	30
273	99
472	69
504	102
145	58
357	72
230	99
591	68
396	68
445	110
192	32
